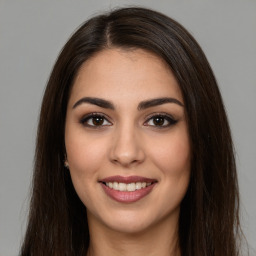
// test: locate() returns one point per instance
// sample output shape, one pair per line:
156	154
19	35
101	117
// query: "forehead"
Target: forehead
115	73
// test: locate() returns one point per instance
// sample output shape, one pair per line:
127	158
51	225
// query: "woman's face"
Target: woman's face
127	141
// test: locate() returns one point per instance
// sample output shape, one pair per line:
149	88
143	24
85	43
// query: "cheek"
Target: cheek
85	157
171	154
174	158
83	151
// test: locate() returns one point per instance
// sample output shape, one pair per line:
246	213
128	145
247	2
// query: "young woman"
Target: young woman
134	153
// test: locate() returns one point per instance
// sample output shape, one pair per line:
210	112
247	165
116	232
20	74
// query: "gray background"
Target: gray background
31	36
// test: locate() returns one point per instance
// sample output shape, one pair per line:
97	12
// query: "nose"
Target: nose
126	147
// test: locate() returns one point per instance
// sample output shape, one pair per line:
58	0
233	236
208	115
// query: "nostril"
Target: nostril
126	149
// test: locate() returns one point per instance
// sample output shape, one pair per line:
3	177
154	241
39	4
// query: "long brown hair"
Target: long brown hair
209	220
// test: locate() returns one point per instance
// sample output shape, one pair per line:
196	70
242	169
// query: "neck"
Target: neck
159	240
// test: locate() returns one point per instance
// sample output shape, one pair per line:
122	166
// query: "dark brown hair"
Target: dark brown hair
209	221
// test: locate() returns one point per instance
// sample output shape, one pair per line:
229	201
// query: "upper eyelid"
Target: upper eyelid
146	117
93	114
163	114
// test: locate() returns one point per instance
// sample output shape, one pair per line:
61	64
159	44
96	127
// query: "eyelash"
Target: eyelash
166	118
85	119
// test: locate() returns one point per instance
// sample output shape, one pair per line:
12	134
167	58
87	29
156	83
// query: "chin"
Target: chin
135	221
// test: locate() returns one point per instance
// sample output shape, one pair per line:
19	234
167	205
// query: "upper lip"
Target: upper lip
128	179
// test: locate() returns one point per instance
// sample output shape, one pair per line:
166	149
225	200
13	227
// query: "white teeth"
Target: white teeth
122	187
130	187
127	187
138	185
115	186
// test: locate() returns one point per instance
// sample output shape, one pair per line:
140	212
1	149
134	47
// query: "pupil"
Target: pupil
158	121
98	120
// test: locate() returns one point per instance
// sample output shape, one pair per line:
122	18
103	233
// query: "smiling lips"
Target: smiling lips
127	189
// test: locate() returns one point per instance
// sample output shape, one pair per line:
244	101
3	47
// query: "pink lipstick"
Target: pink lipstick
127	189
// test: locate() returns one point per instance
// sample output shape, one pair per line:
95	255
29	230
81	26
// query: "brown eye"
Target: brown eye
160	121
95	120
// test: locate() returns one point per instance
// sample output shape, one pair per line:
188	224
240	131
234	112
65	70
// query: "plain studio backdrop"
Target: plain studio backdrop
31	36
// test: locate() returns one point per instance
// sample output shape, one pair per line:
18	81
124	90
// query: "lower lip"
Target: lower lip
125	196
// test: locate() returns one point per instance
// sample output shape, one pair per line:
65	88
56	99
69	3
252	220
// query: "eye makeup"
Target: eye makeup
95	120
160	120
157	120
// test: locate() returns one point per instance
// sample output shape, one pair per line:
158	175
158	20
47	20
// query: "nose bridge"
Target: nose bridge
127	145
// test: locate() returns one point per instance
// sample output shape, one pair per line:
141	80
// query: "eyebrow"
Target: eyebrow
95	101
142	105
159	101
